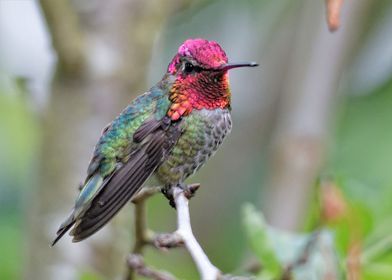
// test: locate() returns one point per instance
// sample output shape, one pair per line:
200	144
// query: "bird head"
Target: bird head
199	72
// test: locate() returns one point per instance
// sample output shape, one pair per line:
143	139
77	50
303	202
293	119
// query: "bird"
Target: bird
168	133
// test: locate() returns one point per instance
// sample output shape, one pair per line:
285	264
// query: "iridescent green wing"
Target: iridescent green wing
116	141
121	163
156	141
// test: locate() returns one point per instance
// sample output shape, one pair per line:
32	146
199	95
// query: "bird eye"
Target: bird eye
188	67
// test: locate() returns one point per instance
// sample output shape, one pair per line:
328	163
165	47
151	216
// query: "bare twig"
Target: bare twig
145	193
167	241
206	269
143	236
334	8
137	264
182	236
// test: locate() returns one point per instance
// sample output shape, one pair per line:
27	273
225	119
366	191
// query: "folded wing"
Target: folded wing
156	139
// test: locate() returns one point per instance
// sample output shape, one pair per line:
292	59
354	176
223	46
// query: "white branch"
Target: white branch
206	269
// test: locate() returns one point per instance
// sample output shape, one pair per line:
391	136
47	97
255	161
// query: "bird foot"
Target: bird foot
189	192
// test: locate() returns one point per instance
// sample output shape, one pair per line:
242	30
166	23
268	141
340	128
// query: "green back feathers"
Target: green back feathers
117	141
88	192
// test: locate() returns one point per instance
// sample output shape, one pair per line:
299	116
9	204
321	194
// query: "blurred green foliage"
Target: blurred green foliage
260	242
363	152
360	166
284	254
11	241
362	161
90	276
18	143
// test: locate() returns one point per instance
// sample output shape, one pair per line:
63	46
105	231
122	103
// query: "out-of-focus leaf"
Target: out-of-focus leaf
380	250
354	227
377	271
89	275
350	220
256	230
314	251
363	153
364	218
342	237
19	139
11	246
382	230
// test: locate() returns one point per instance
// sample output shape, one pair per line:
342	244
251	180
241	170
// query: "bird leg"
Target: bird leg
188	190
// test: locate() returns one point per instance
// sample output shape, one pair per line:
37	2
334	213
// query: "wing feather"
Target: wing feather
126	181
127	153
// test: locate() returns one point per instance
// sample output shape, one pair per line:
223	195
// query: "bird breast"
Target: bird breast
203	132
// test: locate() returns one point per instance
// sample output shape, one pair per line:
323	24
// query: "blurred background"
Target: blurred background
312	130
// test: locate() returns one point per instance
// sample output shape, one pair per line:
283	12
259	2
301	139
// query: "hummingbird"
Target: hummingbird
169	132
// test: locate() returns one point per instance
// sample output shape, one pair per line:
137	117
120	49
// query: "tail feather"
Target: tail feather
89	191
122	186
64	228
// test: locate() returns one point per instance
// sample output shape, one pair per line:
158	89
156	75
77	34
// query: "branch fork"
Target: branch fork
183	236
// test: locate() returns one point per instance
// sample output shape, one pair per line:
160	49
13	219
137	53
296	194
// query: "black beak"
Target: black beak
229	66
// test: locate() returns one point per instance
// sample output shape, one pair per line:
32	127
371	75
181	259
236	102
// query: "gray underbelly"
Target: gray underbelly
204	132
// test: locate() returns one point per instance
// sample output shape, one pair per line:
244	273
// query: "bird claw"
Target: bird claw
188	190
167	191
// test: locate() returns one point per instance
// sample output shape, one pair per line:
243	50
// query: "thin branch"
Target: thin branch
334	8
206	269
136	263
183	236
143	236
146	193
164	241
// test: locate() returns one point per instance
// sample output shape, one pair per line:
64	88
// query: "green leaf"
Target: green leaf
378	249
342	237
377	271
277	249
364	217
256	231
